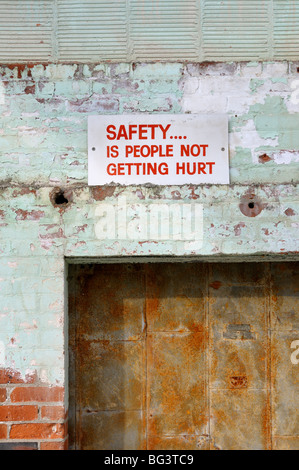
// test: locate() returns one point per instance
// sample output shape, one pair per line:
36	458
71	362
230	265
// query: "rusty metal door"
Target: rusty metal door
181	356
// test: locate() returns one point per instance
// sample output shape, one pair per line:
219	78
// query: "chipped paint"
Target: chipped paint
44	164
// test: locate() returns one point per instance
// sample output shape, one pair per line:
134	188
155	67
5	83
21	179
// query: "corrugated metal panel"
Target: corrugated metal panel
148	30
286	29
236	29
165	29
26	29
92	30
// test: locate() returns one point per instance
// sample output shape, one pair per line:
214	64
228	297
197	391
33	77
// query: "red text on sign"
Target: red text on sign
149	151
137	169
193	150
141	131
195	168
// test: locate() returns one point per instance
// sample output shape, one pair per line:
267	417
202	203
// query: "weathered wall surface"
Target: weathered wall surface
43	146
92	31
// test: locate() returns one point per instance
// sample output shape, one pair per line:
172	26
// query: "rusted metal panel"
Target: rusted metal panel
285	330
176	297
177	396
285	385
184	356
285	297
110	310
179	442
238	419
107	353
238	338
239	351
286	443
111	430
176	353
109	371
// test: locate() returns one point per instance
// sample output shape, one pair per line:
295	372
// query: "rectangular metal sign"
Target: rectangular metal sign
158	149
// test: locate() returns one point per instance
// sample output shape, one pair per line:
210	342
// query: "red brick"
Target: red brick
18	413
3	395
37	394
54	413
54	445
10	376
3	431
37	431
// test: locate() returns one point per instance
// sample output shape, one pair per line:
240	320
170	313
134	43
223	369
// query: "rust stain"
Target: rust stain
238	227
216	285
30	90
50	236
289	212
264	158
81	228
176	195
21	68
23	192
193	194
239	381
140	194
100	193
267	423
250	205
29	215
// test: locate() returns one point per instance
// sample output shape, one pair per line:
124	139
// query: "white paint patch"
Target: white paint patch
295	355
193	247
43	376
246	136
285	158
295	92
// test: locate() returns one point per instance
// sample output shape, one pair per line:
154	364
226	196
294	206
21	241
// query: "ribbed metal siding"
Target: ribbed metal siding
92	30
164	29
236	29
148	30
286	29
26	30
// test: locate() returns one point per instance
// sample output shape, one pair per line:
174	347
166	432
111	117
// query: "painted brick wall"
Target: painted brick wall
43	148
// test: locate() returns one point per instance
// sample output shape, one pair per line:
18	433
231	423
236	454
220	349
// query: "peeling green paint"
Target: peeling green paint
255	84
43	144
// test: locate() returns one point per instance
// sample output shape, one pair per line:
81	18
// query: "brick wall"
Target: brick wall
32	415
43	149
